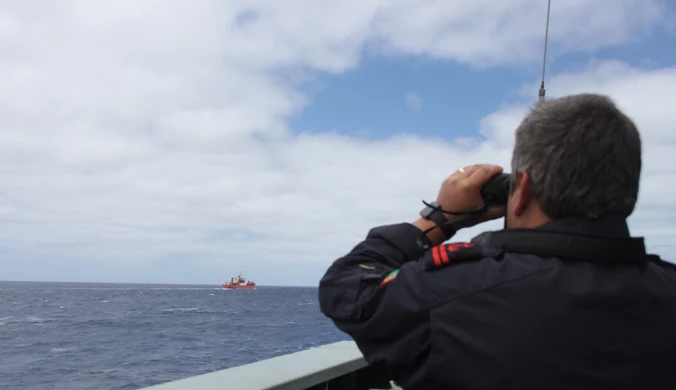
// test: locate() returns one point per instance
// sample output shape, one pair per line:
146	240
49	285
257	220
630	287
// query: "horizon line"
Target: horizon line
143	283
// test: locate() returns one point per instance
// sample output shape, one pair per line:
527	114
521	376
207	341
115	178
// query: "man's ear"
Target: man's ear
523	192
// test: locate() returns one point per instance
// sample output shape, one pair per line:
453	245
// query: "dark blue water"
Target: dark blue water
101	336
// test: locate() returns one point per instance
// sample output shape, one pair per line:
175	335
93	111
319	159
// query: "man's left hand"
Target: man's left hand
461	191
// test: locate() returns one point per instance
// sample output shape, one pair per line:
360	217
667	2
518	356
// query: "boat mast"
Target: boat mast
541	94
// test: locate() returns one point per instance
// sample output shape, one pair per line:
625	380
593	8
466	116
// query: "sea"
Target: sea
119	336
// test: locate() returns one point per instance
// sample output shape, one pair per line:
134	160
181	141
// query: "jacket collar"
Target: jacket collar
608	225
603	240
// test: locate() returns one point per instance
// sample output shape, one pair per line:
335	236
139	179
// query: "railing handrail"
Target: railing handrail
294	371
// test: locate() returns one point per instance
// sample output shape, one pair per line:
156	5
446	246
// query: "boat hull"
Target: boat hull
228	286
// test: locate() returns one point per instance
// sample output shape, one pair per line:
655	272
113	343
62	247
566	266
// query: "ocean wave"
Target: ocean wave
36	320
183	310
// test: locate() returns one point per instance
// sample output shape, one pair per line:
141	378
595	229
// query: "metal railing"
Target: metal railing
333	366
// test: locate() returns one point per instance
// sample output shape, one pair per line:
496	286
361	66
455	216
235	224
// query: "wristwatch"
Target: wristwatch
434	214
439	218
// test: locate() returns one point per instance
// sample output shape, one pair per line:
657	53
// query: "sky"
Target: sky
175	141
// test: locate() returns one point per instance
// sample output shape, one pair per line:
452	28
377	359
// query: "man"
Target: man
563	298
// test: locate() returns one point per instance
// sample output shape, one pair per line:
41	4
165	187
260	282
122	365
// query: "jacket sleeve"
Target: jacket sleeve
374	295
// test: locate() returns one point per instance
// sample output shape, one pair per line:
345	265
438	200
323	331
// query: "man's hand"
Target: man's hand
461	191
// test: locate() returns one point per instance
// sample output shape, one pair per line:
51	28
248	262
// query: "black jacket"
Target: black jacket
475	316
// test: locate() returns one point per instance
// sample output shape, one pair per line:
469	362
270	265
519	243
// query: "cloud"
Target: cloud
413	101
134	132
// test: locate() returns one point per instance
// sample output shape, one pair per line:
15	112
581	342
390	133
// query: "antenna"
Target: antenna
541	93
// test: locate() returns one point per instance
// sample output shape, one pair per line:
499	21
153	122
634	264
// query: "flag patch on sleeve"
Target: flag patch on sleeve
390	277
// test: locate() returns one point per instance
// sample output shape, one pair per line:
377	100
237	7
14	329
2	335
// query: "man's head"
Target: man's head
574	156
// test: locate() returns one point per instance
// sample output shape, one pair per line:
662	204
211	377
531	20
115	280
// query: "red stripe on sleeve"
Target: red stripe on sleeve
444	254
435	256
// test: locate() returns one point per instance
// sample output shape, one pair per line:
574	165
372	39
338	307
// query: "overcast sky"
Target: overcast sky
184	141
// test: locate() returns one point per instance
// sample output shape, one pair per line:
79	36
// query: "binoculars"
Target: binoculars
496	191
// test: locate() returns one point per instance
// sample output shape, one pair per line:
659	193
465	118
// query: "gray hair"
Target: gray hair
583	155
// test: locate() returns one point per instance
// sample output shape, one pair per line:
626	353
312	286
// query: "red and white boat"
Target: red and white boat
239	282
